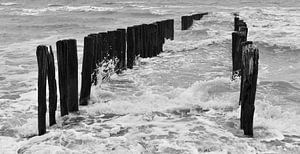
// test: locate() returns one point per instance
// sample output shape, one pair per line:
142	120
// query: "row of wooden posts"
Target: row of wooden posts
121	46
245	57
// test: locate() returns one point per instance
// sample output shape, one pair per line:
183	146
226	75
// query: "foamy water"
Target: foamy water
182	101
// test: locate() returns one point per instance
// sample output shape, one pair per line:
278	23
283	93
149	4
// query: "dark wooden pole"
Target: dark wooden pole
96	51
171	26
145	45
161	38
248	88
62	75
41	54
87	70
130	47
196	16
236	22
122	56
237	39
112	44
52	88
72	75
103	45
186	22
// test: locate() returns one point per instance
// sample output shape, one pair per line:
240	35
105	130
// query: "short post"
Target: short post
41	54
87	70
52	88
62	75
72	75
248	86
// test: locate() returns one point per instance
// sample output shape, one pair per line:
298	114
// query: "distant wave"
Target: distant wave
8	4
55	8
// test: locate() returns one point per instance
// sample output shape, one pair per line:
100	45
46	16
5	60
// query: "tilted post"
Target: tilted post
52	88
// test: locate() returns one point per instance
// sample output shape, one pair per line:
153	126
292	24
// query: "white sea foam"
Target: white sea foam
8	4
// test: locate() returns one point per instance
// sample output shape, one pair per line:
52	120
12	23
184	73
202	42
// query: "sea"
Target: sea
181	102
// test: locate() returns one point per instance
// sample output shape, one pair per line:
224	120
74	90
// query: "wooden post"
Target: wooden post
145	41
236	22
248	86
87	70
41	54
161	38
103	45
111	44
196	16
186	22
52	88
122	48
72	75
171	26
94	59
62	75
237	39
130	47
118	50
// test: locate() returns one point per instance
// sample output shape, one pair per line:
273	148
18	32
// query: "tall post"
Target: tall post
87	70
41	54
62	75
52	88
72	75
248	86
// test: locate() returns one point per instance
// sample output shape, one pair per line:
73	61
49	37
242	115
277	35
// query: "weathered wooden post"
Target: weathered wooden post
72	75
248	86
41	54
62	75
130	47
52	88
237	39
87	70
122	45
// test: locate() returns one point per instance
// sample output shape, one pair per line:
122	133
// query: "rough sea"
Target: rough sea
181	102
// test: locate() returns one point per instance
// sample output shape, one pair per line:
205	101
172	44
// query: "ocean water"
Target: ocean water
182	101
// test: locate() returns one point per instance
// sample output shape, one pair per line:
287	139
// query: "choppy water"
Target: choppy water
182	101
